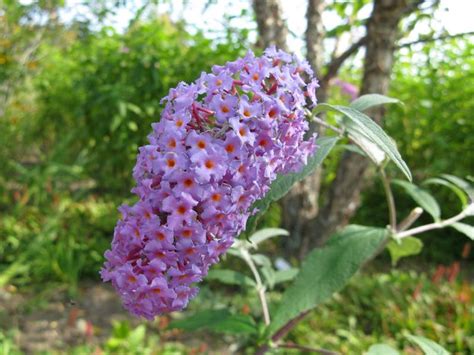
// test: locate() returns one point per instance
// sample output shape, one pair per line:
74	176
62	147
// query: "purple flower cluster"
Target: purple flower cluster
347	88
220	143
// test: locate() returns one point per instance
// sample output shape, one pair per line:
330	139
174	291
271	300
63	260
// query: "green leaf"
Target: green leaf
361	125
461	183
219	321
137	336
354	149
265	234
422	197
283	183
269	275
285	275
134	108
116	122
132	126
459	192
266	268
404	247
230	277
235	251
122	107
365	102
338	30
428	346
464	228
381	349
369	149
261	260
326	271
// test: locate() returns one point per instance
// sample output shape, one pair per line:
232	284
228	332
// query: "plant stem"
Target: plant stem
260	287
327	125
392	212
280	333
437	225
323	123
410	219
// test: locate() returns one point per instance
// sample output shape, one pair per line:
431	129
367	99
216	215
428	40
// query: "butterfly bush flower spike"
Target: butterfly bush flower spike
220	143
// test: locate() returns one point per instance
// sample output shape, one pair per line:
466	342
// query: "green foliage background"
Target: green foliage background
433	131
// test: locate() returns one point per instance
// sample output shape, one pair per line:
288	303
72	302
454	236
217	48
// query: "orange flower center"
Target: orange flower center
272	113
160	236
172	143
225	108
182	209
242	132
218	82
179	122
187	233
209	164
188	183
229	148
201	144
132	278
255	77
216	197
159	254
171	163
247	113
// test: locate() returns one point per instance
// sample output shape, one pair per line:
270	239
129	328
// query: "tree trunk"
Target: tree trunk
272	29
344	194
300	205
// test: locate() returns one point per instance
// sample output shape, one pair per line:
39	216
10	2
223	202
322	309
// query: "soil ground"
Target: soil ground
54	321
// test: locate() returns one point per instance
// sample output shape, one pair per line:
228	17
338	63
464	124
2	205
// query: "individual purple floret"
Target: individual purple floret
219	144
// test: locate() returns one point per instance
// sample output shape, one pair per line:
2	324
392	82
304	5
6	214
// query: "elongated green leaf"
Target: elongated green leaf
428	346
459	192
269	275
235	251
464	228
382	349
359	124
266	233
354	149
261	260
370	149
283	183
365	102
230	277
405	247
422	197
285	275
219	321
326	271
461	183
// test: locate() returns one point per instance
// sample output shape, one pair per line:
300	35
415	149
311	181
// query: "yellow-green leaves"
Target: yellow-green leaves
404	247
